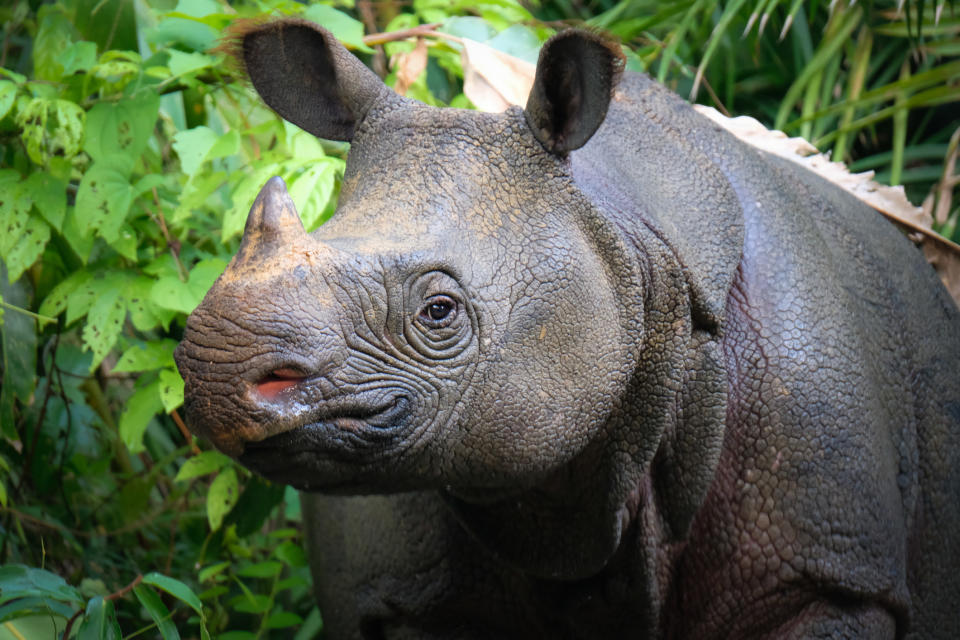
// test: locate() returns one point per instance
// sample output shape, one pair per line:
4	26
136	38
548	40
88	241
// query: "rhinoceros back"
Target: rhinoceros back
840	467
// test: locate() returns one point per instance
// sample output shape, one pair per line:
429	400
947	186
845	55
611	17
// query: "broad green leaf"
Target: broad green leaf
19	581
121	128
226	145
8	93
79	56
54	33
282	620
49	195
158	612
312	189
100	621
34	626
143	313
192	147
146	356
223	494
78	234
51	128
469	27
82	298
268	569
175	588
191	33
105	196
170	292
56	301
181	63
15	206
142	406
518	41
291	553
201	464
103	326
171	389
347	30
28	248
3	494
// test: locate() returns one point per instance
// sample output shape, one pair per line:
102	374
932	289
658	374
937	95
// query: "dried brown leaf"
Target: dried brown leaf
494	80
409	66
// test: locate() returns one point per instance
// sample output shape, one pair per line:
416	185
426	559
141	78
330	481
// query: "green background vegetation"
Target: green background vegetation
129	156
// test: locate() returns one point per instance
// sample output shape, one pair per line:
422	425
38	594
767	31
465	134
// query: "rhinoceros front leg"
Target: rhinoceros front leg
399	566
832	621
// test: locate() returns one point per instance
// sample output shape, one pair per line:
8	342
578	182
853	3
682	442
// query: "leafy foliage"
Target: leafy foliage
129	158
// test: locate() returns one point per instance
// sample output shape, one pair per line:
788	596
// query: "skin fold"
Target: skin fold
589	369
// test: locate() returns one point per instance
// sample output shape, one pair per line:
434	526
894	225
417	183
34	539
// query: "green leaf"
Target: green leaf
311	627
268	569
177	589
54	33
79	56
170	292
8	93
181	63
208	573
291	553
142	406
105	196
223	494
171	389
282	620
201	464
100	621
103	326
19	581
192	147
251	603
143	313
311	190
49	195
347	30
56	301
28	248
158	612
147	356
86	293
51	128
15	206
121	128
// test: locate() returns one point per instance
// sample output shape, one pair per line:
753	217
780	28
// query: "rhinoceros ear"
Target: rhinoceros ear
304	74
576	75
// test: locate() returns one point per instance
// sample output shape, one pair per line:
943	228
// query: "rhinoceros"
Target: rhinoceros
592	368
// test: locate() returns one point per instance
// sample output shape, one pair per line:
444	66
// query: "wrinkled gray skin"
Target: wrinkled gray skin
559	381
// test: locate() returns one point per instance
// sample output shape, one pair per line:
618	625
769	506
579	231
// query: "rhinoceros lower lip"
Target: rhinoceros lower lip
342	420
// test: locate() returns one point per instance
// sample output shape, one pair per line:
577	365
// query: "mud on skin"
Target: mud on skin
588	369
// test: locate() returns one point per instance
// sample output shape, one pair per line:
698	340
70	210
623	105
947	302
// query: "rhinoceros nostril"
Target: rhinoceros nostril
279	381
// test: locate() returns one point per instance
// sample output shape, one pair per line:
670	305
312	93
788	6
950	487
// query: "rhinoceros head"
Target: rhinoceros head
462	321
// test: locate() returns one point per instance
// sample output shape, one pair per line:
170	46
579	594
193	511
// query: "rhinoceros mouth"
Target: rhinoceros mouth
348	431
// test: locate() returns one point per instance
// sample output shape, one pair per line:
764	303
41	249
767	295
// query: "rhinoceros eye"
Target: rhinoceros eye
438	311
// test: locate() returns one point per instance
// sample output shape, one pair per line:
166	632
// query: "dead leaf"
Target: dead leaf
494	80
409	66
947	265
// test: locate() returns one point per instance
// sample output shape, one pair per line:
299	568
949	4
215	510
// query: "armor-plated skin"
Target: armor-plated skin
584	371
